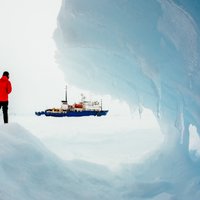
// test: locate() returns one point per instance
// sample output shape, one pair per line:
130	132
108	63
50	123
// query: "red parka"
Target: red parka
5	88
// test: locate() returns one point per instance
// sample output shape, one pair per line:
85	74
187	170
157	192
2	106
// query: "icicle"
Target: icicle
140	107
182	126
185	138
179	124
190	80
158	109
140	110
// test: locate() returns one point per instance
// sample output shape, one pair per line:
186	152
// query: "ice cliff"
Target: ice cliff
144	52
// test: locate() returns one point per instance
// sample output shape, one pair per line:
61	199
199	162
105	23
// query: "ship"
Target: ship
80	109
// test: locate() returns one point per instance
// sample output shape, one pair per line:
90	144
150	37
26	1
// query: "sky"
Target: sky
28	51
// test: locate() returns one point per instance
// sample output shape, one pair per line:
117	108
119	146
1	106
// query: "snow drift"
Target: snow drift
144	52
28	170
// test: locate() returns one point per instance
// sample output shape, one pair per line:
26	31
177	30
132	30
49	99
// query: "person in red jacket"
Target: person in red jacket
5	90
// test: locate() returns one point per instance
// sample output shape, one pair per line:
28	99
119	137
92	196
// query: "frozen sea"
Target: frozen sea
110	140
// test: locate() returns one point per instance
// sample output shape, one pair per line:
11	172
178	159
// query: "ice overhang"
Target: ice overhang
144	52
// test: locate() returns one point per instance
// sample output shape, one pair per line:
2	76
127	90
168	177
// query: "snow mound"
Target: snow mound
29	171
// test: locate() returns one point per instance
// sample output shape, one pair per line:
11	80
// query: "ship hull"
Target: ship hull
73	113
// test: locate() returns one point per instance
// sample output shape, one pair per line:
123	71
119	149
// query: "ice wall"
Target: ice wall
144	52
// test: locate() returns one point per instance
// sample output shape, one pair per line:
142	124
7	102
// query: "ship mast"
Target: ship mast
65	101
66	93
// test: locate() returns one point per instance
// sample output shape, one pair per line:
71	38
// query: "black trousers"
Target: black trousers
4	105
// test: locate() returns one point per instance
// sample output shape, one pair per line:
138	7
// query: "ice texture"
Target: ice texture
144	52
